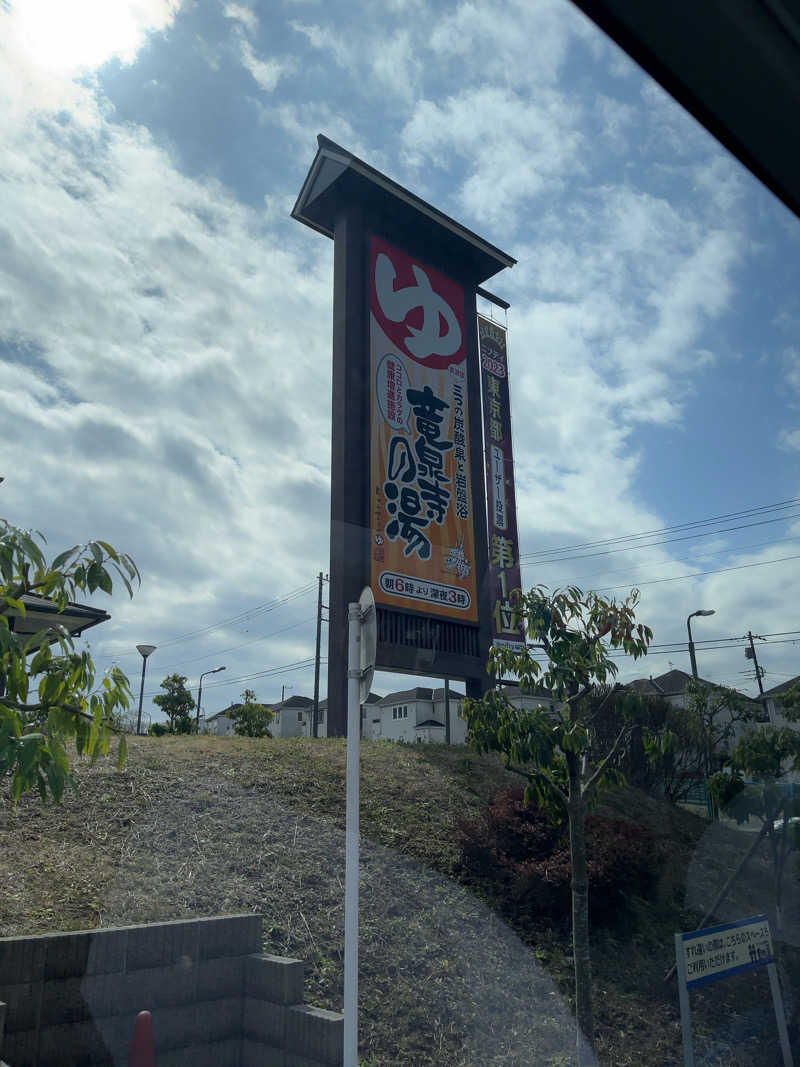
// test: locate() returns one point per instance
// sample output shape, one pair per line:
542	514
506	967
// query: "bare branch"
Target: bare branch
577	697
601	766
612	692
535	773
73	709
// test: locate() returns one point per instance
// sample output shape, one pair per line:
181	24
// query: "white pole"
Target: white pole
777	1002
683	1000
351	838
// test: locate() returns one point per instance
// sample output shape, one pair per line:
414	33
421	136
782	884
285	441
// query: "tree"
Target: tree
789	702
557	752
48	696
177	704
764	755
251	719
691	743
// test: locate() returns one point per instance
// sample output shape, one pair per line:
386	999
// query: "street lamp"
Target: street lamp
691	642
144	651
215	670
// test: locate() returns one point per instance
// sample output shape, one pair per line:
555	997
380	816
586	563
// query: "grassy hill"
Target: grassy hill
449	974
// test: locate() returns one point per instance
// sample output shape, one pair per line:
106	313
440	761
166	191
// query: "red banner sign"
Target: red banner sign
423	548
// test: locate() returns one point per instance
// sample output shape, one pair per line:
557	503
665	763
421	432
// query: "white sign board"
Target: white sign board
717	952
722	950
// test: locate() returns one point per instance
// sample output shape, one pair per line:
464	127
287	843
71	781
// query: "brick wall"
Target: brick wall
216	1001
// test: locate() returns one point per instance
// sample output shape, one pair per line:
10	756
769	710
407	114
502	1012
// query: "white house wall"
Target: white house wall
221	725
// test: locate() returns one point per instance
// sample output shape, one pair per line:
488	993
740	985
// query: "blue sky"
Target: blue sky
165	326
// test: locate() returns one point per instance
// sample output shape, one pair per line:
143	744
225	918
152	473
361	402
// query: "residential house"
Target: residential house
772	701
413	715
538	698
293	717
221	724
370	716
418	715
672	686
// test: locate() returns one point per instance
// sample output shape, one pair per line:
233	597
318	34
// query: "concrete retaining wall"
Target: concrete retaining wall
216	1000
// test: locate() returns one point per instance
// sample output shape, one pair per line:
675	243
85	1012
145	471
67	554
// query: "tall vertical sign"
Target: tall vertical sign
505	581
423	546
408	513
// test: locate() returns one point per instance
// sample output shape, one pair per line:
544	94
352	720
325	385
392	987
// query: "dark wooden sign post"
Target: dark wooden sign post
407	478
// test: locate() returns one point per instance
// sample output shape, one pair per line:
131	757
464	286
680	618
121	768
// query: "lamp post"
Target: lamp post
691	642
215	670
144	651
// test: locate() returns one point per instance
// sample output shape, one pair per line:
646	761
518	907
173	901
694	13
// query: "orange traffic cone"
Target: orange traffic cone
142	1051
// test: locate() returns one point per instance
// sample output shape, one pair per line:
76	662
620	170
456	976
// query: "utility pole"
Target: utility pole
754	658
315	715
447	711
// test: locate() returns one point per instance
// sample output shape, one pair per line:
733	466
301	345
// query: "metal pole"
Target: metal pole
199	699
758	669
141	697
315	717
683	1000
691	647
351	838
780	1015
447	711
214	670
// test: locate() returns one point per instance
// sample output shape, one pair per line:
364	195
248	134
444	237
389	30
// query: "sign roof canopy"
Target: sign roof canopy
338	179
42	614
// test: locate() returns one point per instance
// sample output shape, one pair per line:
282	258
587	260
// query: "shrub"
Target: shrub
158	729
525	856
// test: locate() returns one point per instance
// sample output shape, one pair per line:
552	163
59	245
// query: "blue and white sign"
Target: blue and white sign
722	950
717	952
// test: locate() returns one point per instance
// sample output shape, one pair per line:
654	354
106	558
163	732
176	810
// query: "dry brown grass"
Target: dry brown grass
207	825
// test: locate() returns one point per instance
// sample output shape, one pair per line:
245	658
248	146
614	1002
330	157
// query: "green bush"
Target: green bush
158	729
525	856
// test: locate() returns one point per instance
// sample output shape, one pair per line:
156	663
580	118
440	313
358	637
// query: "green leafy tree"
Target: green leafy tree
557	752
765	755
177	704
48	692
251	719
789	703
691	743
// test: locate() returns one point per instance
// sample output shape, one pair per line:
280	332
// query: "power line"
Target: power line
245	616
285	668
672	562
719	640
252	641
756	509
531	556
700	574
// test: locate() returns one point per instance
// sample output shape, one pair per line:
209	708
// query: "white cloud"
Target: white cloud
518	43
44	46
166	393
792	361
789	437
242	13
326	40
516	147
386	60
266	72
